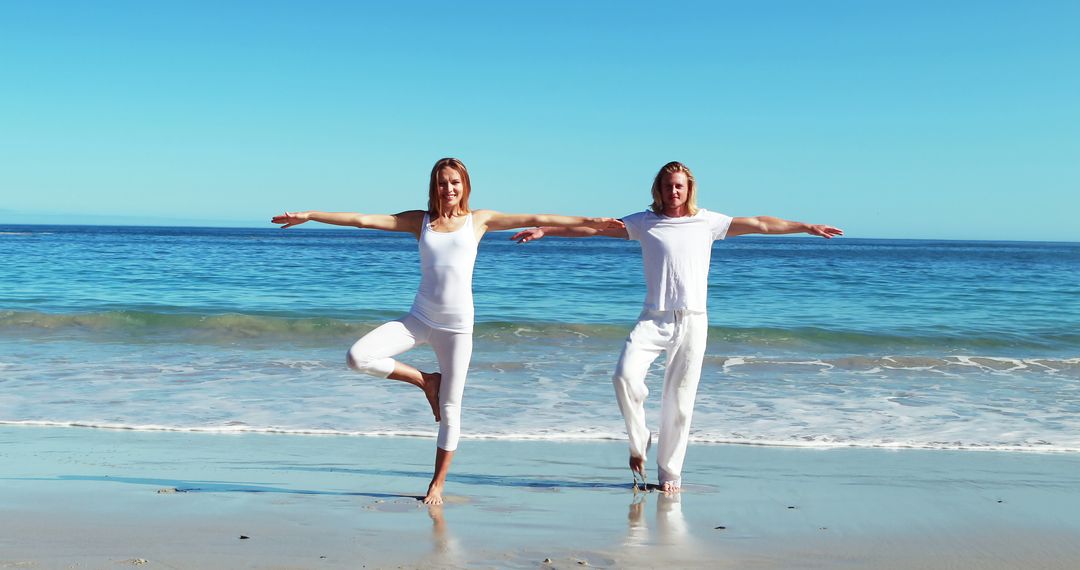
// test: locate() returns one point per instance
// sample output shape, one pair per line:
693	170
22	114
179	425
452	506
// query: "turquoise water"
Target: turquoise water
812	342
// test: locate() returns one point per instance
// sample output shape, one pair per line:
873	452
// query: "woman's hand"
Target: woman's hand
606	224
528	235
290	220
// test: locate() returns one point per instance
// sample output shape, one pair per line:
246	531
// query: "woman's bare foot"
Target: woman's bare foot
443	459
432	381
434	494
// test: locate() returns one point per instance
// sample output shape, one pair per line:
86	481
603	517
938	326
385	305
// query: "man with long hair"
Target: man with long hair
676	244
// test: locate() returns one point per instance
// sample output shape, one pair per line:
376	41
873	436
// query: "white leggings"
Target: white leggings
682	334
373	353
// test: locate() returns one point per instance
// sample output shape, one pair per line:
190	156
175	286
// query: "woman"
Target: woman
442	313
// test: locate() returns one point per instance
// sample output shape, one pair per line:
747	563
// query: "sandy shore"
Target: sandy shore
84	498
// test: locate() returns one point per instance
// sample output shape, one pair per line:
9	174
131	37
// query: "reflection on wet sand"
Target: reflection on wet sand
444	546
670	524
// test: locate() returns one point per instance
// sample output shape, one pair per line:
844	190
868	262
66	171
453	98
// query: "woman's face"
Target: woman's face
450	189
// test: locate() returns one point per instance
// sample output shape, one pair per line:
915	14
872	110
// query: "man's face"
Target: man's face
674	190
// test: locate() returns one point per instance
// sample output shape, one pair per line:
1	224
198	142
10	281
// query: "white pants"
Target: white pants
682	334
373	353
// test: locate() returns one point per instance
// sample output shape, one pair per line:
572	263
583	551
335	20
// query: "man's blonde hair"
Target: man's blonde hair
691	190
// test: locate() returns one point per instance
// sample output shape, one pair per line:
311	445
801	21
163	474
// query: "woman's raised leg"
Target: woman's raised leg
373	353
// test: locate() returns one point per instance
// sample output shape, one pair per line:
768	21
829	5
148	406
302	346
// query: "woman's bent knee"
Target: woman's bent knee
360	362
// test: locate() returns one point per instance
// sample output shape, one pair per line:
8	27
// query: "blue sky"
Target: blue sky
956	120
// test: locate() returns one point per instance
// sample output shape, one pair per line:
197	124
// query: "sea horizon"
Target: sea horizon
240	225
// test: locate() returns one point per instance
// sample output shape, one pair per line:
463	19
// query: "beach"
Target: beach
92	498
864	404
830	246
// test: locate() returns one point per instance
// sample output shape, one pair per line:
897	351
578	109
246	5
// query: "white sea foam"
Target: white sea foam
735	439
733	362
550	392
299	364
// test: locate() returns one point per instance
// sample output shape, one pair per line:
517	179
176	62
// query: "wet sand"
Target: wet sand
86	498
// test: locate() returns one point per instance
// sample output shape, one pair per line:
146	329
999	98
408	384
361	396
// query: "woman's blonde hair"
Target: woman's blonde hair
434	205
691	191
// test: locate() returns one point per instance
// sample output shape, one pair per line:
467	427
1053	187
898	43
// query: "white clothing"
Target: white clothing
373	354
444	301
682	334
677	253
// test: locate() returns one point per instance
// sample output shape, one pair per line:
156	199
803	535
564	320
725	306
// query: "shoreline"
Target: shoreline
91	497
564	438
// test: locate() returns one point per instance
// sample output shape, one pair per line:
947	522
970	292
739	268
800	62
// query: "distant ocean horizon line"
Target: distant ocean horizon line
224	225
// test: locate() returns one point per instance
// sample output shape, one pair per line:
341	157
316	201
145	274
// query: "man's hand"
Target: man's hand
528	235
824	231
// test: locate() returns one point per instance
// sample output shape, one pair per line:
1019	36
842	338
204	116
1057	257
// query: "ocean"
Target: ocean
813	343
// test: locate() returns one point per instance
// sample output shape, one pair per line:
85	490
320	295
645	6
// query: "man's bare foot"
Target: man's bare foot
432	381
434	494
669	487
637	466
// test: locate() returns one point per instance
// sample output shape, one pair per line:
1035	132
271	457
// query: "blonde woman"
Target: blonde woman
448	232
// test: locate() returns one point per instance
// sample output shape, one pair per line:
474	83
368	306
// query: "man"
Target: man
676	245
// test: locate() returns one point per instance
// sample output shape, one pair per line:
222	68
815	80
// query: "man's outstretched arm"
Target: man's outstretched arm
771	225
575	231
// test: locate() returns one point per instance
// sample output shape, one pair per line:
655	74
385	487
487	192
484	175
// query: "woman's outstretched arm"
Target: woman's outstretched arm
533	234
409	221
495	221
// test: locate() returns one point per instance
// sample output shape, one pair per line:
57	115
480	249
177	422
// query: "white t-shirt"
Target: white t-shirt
676	252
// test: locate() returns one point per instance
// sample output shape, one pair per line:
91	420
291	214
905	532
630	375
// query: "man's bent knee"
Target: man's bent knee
624	385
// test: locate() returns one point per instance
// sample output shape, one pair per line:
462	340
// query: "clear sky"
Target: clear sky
912	119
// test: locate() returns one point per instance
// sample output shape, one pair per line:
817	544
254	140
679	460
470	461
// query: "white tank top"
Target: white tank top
444	300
